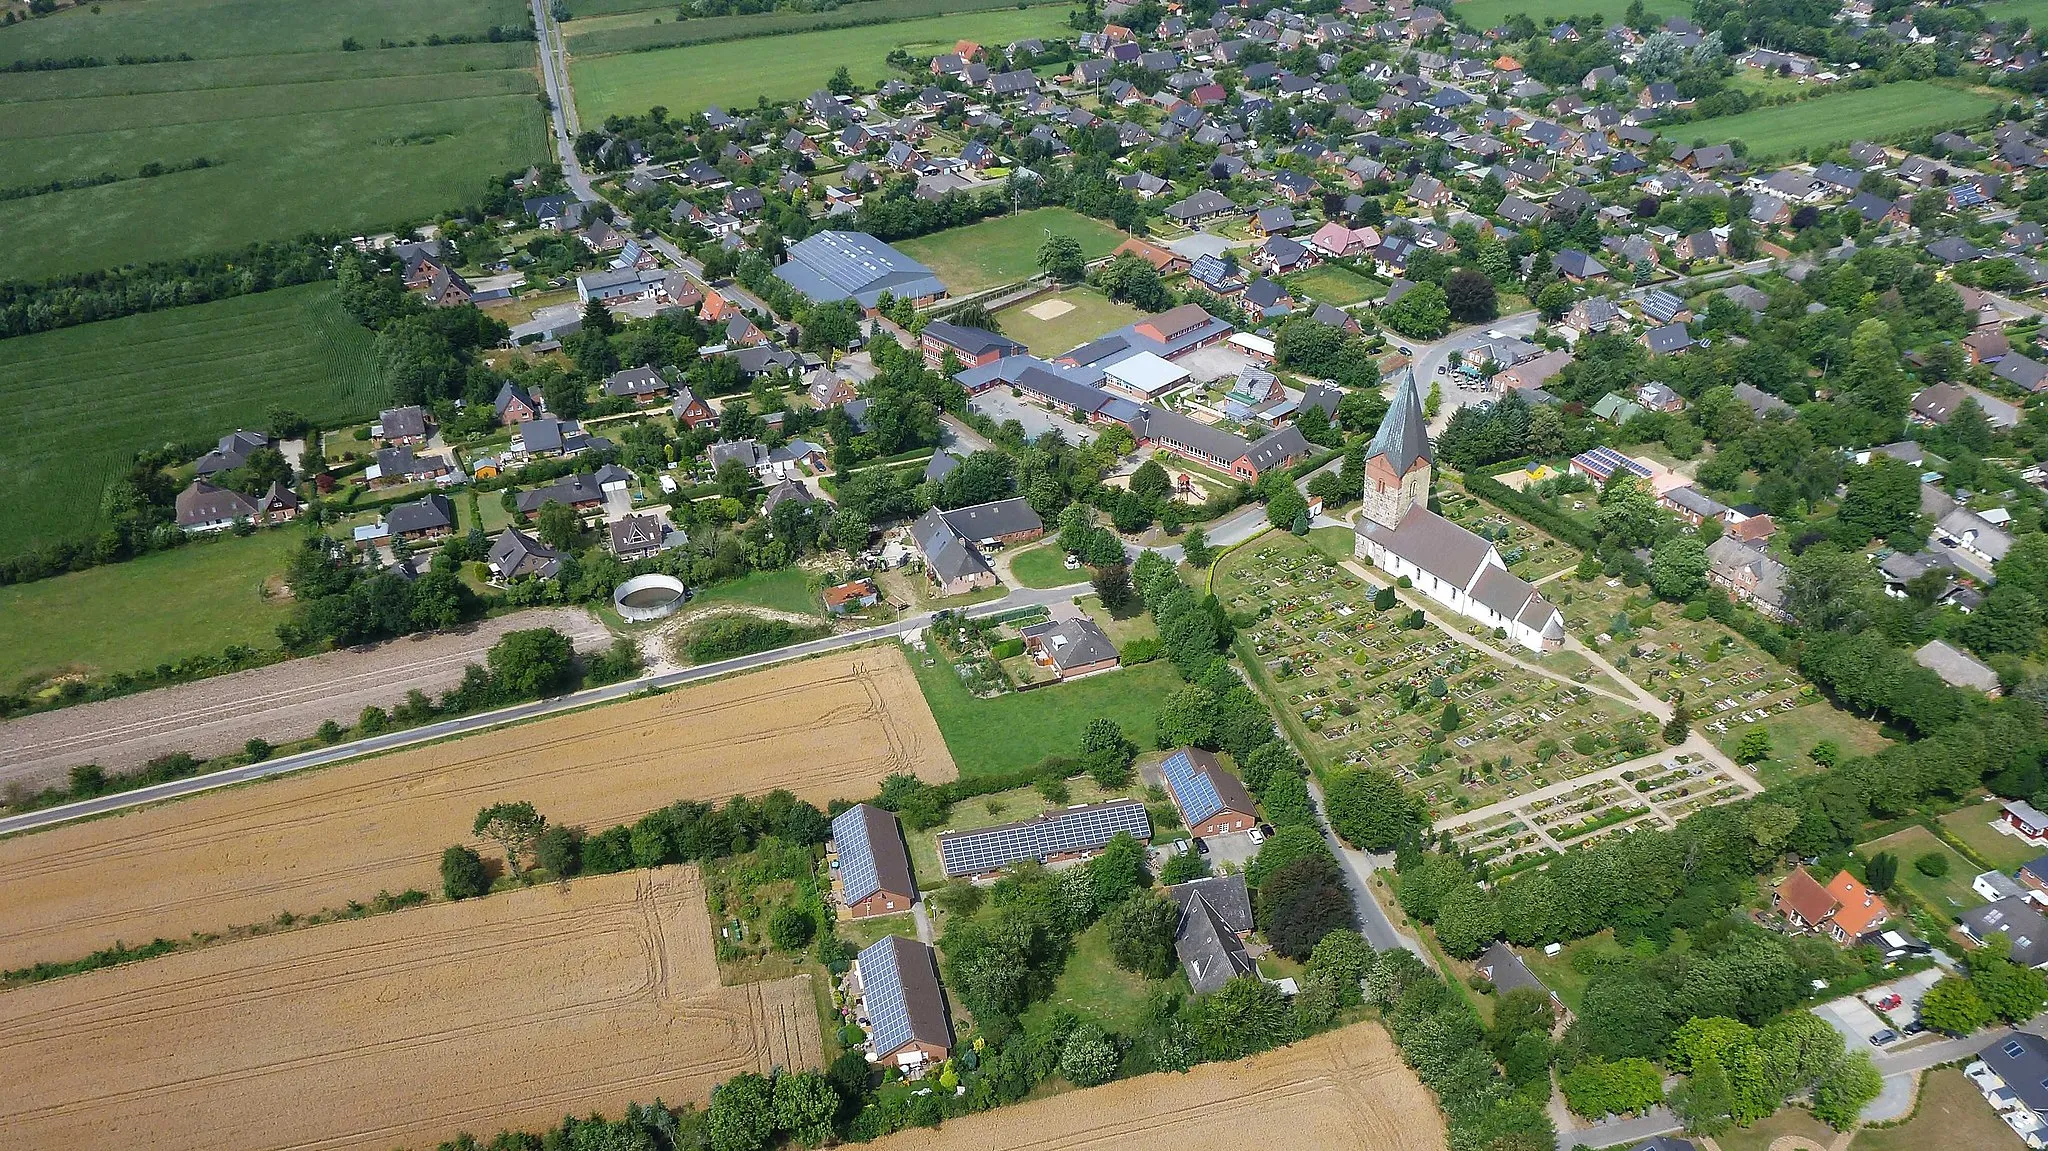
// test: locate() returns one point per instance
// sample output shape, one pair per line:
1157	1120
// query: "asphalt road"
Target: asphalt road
1358	868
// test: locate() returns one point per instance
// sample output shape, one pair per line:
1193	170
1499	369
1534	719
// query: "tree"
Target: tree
1598	1087
1845	1090
1189	718
1089	1056
1370	809
742	1113
1106	753
1118	871
531	663
1285	504
1628	512
1195	547
1301	903
1678	567
462	873
1245	1015
1141	933
1554	300
1151	482
790	928
841	83
806	1103
512	826
1113	584
1883	499
1467	921
558	525
1451	717
1755	746
1471	296
1881	872
1954	1006
1933	864
559	850
1680	724
1060	257
1423	313
2014	993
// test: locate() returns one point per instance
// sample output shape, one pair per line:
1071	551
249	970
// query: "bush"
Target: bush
733	634
1007	649
790	928
1933	864
462	873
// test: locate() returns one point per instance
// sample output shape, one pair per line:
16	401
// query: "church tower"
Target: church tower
1397	463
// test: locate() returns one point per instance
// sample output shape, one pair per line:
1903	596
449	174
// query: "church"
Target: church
1400	535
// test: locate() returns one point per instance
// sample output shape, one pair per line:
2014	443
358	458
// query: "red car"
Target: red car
1890	1002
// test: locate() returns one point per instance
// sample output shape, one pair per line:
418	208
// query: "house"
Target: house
205	507
2018	369
1992	886
1750	574
690	411
1076	832
429	517
894	984
950	541
831	266
1616	409
1692	505
407	425
2019	920
1500	966
1215	918
635	537
1210	799
1668	340
516	555
1070	648
1577	266
1335	240
232	452
1206	204
1163	260
1592	314
1659	397
1802	900
2012	1074
1957	668
870	863
851	596
642	385
973	347
580	493
1760	403
390	467
2025	820
514	405
1398	533
1858	910
545	436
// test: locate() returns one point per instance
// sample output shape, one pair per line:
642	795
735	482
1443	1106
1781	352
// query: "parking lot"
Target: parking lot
999	405
1215	362
1892	1007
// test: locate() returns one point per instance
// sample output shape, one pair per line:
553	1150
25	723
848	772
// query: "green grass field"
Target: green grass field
1095	989
779	68
1484	14
1887	111
302	136
1091	314
1044	566
1951	1113
157	609
1335	285
2034	12
786	589
605	26
84	400
1972	825
1039	723
1949	895
1004	250
1795	733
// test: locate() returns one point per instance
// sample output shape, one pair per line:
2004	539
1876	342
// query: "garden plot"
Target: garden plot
1371	692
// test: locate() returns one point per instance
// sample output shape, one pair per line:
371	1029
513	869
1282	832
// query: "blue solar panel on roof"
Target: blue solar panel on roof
881	985
1063	832
857	877
1192	787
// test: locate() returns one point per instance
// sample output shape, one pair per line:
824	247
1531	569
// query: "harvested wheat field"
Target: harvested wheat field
401	1029
1340	1090
826	728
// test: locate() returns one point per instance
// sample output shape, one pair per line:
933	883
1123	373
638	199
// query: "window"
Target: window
2013	1050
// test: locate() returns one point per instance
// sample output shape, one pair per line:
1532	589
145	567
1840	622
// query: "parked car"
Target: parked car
1201	848
1889	1003
1258	836
1884	1038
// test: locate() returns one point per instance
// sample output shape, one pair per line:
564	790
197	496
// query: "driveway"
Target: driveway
1854	1019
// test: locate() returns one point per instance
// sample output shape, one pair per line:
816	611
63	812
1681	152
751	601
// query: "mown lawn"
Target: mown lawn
1044	566
1885	112
299	135
786	589
1787	1122
1091	314
1335	285
1972	825
604	26
84	400
1948	895
1794	734
1094	988
1004	250
132	616
1952	1113
789	67
1039	723
1484	14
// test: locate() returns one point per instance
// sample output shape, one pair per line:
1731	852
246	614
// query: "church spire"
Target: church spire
1403	437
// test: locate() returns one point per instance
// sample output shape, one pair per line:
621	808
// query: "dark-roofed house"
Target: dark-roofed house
546	436
995	524
1211	800
895	985
1500	966
580	493
1070	647
1063	833
1753	576
1206	204
516	554
642	385
205	507
428	517
833	266
1215	917
1577	266
870	864
635	537
951	562
2012	1074
514	405
973	347
2018	920
232	452
407	425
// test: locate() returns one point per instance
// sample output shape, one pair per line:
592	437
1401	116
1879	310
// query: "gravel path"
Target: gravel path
283	701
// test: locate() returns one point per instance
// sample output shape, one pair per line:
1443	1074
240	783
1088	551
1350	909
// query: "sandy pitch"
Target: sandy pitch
1049	310
825	728
403	1029
1340	1090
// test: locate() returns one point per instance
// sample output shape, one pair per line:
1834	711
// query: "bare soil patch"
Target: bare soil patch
824	728
284	701
1338	1091
403	1029
1050	309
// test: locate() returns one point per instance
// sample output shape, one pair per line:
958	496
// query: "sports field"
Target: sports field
1064	320
404	1029
83	400
299	134
828	728
781	68
1887	112
1004	250
194	600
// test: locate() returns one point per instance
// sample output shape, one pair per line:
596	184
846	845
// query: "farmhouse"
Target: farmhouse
429	517
833	266
870	864
1211	800
1215	919
950	542
1076	832
1397	532
204	507
1071	647
895	987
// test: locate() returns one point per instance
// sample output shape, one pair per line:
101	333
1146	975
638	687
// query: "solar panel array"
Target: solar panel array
1608	461
881	986
1192	787
857	878
1058	833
